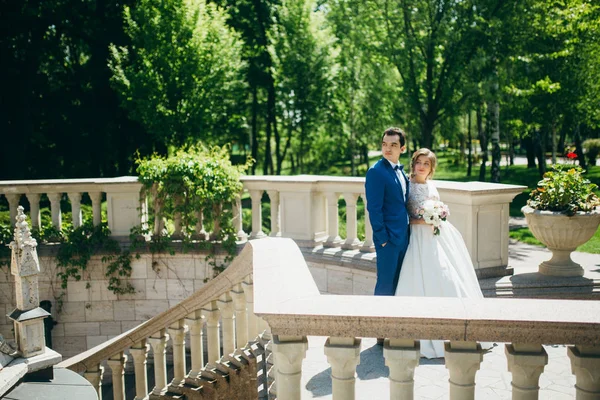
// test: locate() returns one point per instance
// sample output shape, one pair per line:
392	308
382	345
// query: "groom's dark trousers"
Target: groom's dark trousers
389	219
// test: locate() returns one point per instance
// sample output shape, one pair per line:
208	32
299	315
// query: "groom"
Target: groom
387	189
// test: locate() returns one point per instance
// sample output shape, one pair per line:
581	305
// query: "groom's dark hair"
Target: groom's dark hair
393	132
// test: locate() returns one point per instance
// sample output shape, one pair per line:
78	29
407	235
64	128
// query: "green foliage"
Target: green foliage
592	149
564	189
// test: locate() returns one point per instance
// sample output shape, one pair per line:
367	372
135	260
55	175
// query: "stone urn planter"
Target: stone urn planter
562	234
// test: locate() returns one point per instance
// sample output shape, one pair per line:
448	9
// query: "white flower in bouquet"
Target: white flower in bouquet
434	212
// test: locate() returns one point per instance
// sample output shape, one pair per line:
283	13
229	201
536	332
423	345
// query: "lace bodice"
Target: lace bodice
419	192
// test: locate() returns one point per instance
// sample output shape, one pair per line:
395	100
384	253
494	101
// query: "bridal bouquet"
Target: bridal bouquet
434	212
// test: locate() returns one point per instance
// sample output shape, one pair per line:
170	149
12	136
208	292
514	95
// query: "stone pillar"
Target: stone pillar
124	208
333	225
212	332
139	352
257	232
157	202
158	341
251	317
199	231
94	376
352	241
177	334
217	210
526	363
55	209
28	317
177	218
34	210
13	203
117	365
225	304
96	198
241	321
274	197
237	218
402	357
195	322
585	365
463	360
289	351
343	354
367	246
76	208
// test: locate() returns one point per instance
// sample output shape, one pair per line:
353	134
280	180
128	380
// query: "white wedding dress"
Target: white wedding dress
435	265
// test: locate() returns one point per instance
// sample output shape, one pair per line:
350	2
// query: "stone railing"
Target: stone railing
304	208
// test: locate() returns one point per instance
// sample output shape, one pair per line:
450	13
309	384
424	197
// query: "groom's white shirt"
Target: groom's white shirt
400	176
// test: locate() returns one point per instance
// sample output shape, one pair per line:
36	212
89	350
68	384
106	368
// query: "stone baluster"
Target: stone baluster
251	317
402	357
139	352
367	246
585	365
34	210
177	334
94	377
96	198
195	321
333	226
463	360
275	228
217	211
352	241
117	365
257	232
158	341
199	231
159	223
212	332
241	318
177	218
55	208
13	203
225	304
343	354
289	351
526	363
238	222
75	198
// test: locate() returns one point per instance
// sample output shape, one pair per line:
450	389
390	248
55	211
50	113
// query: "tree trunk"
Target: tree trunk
481	134
540	151
494	112
554	142
527	142
427	125
254	128
469	145
578	147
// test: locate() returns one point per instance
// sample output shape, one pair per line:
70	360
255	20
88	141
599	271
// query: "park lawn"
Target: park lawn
524	235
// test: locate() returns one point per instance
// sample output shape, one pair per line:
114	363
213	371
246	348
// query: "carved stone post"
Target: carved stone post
289	351
139	352
585	364
402	357
526	363
75	208
195	322
275	228
352	241
55	209
94	376
117	365
333	224
251	317
257	232
367	246
96	207
343	354
241	321
28	317
463	360
212	332
226	308
158	341
177	334
34	210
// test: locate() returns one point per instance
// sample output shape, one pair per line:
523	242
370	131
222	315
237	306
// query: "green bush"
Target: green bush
592	150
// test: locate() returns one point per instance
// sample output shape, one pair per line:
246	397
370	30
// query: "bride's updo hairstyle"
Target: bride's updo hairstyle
427	153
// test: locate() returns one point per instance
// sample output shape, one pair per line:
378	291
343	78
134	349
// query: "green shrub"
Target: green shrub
592	150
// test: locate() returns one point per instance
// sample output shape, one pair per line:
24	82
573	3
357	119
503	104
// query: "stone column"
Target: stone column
352	241
585	365
289	351
238	222
34	210
117	365
274	197
75	208
195	322
199	231
177	218
158	341
217	210
96	198
402	357
241	322
225	304
94	376
177	334
251	317
257	232
55	209
13	203
212	332
139	352
367	246
343	354
333	225
463	360
526	363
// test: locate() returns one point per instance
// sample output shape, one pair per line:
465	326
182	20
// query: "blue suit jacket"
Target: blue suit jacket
386	205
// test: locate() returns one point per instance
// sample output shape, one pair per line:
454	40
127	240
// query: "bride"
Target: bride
435	265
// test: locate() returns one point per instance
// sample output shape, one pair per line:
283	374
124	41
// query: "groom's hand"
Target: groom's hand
383	245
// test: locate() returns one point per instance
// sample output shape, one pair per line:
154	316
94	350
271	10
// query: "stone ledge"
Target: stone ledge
19	367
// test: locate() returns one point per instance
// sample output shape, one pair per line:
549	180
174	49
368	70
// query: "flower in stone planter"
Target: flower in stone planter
564	189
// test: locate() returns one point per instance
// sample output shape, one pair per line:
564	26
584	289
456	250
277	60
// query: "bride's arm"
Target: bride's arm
417	221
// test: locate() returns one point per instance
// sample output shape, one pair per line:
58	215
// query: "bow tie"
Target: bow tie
398	167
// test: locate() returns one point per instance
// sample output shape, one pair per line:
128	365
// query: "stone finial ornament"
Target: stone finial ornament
24	259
